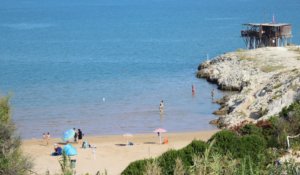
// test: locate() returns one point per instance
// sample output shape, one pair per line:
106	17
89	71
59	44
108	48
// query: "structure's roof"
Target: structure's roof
268	24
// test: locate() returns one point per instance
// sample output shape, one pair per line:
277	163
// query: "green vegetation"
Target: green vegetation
249	149
12	160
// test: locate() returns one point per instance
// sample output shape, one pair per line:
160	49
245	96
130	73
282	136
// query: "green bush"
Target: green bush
250	129
136	167
167	161
12	160
225	141
251	145
197	147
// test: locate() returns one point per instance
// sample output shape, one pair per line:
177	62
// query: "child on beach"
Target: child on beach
47	138
44	139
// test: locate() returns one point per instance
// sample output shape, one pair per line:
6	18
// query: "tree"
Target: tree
12	160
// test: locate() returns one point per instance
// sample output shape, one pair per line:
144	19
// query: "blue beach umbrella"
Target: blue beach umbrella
69	150
69	134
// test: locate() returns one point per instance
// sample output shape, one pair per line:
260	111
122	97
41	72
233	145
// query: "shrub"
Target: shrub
197	147
152	168
251	145
136	167
167	161
250	129
226	141
12	160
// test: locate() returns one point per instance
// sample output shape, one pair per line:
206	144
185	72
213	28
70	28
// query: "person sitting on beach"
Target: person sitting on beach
86	144
57	150
166	140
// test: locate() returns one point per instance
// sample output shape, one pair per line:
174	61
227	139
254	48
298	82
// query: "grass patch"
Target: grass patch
269	68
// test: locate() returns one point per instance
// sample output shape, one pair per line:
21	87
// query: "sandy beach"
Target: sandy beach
110	154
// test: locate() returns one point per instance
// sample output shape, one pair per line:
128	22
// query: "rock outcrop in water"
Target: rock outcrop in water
267	79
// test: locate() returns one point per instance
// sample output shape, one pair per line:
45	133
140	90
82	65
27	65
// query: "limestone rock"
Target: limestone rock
267	79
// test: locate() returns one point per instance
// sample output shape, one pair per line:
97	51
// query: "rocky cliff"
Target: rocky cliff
266	79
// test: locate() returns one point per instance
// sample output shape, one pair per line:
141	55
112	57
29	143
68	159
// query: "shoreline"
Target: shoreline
110	153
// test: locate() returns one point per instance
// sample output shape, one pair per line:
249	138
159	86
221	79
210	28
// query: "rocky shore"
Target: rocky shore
266	79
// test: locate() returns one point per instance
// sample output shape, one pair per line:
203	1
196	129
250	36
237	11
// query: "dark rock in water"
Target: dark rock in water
222	101
222	111
204	65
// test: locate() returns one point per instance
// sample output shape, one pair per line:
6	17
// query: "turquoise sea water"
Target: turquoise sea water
60	58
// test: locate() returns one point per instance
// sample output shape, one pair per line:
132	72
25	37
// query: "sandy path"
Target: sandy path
109	154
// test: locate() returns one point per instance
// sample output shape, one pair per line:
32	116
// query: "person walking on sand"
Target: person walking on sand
161	106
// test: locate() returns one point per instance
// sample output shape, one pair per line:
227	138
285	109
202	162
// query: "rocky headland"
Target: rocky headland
266	79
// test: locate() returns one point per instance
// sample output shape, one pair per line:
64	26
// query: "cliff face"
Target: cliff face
267	80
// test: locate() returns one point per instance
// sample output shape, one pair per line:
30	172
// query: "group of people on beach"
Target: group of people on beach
78	135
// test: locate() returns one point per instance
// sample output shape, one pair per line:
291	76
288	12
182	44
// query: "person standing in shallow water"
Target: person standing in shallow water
161	106
193	90
212	94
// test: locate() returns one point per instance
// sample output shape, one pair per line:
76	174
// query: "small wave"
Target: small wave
27	26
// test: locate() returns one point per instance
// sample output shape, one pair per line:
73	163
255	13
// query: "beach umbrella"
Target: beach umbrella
159	130
68	135
69	150
127	135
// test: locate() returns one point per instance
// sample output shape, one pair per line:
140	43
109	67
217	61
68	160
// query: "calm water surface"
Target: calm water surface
61	58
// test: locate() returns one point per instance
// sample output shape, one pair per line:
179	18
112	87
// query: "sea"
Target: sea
104	65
